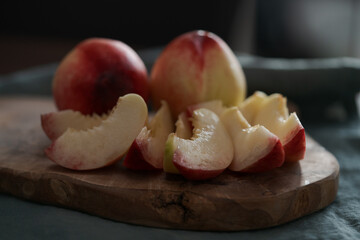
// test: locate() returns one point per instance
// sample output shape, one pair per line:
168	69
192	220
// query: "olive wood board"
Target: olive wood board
229	202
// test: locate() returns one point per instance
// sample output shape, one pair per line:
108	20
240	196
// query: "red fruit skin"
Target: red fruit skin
295	149
46	123
92	77
193	173
275	158
135	160
189	114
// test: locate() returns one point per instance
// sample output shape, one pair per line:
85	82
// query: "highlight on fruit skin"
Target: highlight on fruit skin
104	144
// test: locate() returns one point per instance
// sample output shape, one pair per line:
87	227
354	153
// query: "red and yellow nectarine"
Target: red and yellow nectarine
92	77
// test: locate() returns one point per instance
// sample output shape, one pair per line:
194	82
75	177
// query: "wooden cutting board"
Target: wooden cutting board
230	202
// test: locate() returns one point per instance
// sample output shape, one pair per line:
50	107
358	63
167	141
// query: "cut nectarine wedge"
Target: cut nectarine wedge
104	144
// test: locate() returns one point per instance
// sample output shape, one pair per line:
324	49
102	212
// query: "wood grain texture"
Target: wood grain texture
230	202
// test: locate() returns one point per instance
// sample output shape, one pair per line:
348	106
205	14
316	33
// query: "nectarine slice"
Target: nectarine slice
102	145
209	151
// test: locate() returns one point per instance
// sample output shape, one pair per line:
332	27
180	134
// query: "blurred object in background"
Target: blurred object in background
139	23
321	37
41	31
28	27
18	52
242	30
308	29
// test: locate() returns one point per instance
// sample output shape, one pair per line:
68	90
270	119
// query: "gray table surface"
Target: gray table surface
21	219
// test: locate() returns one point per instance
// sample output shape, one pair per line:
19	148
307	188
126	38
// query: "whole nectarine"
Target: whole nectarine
92	77
195	67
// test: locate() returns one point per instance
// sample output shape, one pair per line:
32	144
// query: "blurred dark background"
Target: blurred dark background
38	32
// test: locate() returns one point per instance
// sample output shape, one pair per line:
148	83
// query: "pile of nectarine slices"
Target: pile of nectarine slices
254	135
272	112
259	135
